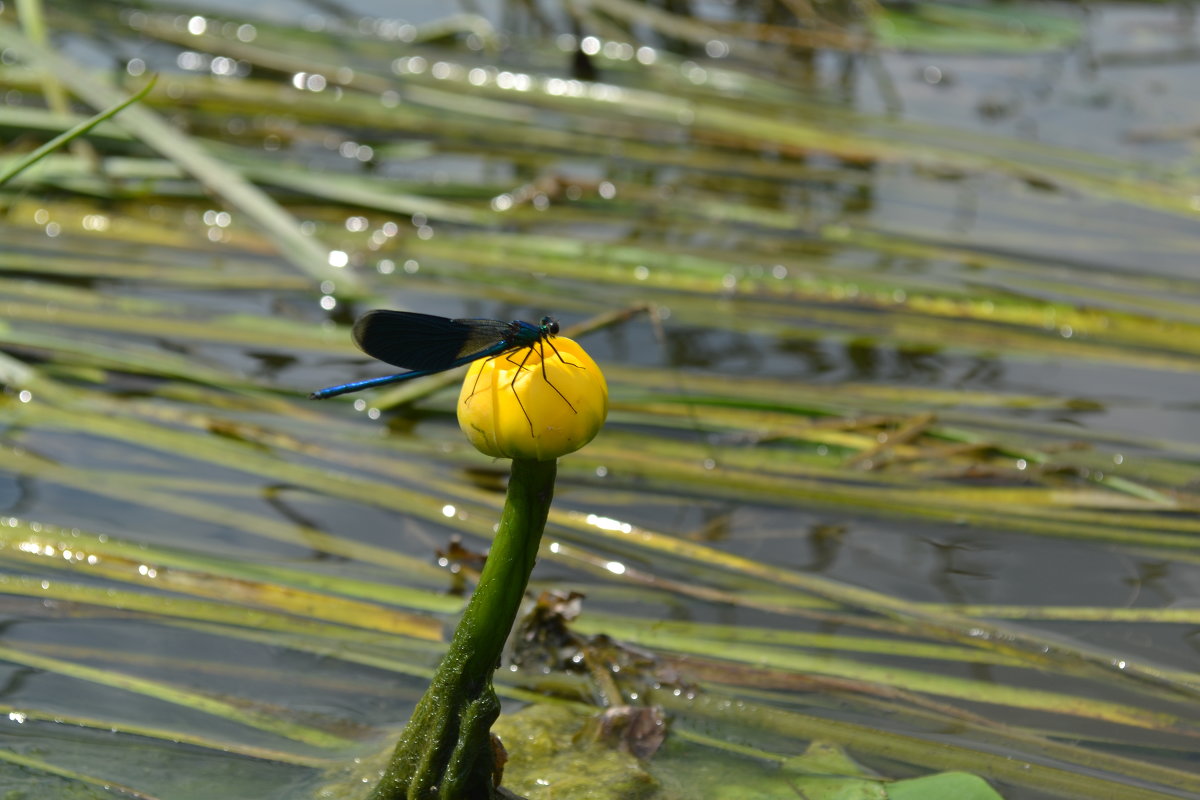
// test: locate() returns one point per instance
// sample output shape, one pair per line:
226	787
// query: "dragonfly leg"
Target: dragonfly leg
563	360
516	375
542	349
475	385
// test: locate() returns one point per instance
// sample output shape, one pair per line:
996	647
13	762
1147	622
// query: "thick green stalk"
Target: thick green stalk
445	751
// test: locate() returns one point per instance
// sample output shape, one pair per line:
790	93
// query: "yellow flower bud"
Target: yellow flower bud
556	405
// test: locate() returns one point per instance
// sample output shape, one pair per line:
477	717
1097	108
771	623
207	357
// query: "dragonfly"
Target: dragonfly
426	344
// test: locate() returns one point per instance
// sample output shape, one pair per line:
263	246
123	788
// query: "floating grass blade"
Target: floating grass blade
301	250
25	162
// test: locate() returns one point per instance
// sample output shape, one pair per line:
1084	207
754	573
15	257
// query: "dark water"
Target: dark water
1117	95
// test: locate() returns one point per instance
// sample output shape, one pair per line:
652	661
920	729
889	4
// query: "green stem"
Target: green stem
445	751
21	164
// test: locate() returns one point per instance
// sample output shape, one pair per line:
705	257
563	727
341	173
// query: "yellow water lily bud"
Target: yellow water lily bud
535	404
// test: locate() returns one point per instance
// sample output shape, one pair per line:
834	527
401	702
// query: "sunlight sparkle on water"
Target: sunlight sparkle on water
224	66
95	222
309	81
609	524
413	65
618	51
192	61
715	48
445	70
220	219
605	93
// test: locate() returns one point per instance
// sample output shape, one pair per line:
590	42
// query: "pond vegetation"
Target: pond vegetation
898	491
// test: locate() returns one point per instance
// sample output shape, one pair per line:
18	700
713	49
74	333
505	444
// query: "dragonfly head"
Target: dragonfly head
550	325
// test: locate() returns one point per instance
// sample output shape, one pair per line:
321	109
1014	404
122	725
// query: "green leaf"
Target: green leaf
943	786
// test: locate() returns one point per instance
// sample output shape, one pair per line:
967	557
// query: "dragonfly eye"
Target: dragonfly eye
550	325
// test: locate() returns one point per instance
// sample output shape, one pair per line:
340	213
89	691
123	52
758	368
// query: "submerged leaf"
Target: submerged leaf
944	786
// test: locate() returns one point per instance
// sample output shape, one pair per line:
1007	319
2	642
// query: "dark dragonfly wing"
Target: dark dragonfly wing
415	341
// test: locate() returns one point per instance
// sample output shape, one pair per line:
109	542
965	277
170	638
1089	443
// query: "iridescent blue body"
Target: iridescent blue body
425	344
